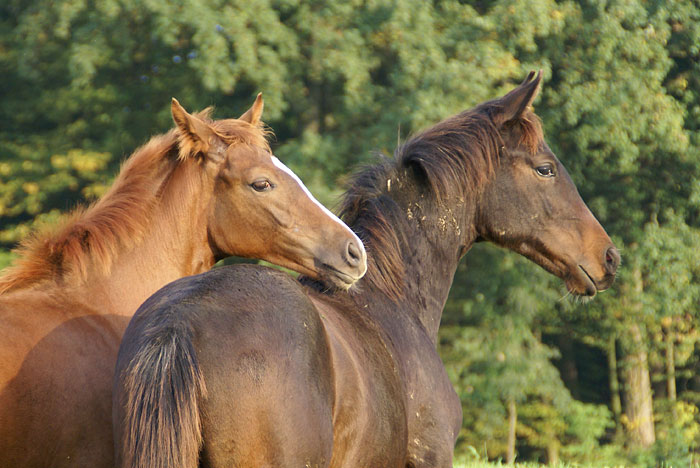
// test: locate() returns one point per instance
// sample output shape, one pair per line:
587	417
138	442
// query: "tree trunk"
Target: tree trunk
614	380
670	366
637	390
553	452
512	421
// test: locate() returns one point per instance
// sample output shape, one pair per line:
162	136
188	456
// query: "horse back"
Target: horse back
266	363
261	361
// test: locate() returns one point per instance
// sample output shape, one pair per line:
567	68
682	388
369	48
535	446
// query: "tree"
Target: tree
621	132
619	119
86	83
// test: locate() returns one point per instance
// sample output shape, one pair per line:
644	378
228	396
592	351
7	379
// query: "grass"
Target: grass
484	464
480	464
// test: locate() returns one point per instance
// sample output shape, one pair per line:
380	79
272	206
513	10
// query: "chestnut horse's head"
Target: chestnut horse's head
531	206
260	208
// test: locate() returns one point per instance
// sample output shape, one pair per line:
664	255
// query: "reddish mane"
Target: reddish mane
93	235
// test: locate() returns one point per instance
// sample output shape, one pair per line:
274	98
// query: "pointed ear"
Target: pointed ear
252	115
515	103
196	136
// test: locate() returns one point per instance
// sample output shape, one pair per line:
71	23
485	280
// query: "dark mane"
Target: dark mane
455	157
366	207
459	154
92	236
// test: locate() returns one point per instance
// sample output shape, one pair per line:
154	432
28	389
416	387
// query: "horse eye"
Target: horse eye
545	171
262	185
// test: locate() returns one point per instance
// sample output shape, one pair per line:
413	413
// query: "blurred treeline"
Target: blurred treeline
612	381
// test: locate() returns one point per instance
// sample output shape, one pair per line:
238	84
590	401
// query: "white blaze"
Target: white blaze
281	165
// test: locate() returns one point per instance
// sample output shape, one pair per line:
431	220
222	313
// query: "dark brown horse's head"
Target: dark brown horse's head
545	218
260	208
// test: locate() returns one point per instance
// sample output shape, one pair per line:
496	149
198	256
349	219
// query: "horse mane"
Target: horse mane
454	158
93	235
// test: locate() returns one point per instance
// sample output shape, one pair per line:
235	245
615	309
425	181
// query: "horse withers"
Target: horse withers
203	191
247	367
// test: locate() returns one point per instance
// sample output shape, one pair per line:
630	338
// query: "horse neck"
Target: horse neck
433	236
174	243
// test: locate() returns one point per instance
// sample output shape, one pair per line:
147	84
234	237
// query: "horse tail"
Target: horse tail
162	386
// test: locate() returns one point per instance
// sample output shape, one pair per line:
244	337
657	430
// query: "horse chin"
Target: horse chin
577	280
337	279
580	283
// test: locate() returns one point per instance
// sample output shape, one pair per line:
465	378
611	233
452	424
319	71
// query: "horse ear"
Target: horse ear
195	135
252	115
515	103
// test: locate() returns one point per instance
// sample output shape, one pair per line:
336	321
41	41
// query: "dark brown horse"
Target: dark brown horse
247	367
203	191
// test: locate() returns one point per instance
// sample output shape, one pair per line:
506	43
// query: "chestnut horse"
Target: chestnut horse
205	190
247	367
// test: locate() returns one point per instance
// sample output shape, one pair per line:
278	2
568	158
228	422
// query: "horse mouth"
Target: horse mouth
574	275
339	278
590	288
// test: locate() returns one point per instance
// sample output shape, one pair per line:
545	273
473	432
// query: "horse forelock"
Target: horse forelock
229	131
529	130
233	131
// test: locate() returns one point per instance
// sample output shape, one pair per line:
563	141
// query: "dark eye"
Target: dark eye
262	185
545	170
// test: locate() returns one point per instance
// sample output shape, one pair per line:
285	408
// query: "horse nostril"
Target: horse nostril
354	255
612	260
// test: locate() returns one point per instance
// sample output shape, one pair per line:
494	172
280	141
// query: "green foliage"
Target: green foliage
624	136
37	189
678	432
586	425
669	258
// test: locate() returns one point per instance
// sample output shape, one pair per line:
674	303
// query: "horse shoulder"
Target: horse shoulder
369	402
56	359
433	408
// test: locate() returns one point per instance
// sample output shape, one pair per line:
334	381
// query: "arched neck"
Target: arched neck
432	237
